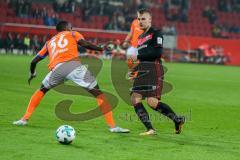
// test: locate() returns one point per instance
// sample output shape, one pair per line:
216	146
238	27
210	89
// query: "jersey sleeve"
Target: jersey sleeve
132	27
43	52
77	36
158	39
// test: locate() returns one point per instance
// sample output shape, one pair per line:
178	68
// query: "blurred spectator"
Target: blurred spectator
18	43
112	25
173	13
118	52
37	13
210	13
213	17
18	7
176	10
65	7
1	42
220	31
216	31
234	29
22	8
26	43
35	45
166	5
121	22
86	10
229	5
224	33
222	5
236	5
26	9
57	5
9	44
207	11
169	30
72	6
184	15
184	10
50	20
44	40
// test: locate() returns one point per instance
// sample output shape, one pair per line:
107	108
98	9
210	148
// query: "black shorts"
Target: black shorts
149	80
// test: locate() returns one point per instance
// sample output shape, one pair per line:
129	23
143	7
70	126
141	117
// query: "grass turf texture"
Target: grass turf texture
208	95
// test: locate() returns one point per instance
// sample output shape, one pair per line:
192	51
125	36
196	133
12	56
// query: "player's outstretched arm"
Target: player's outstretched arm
33	64
89	45
127	40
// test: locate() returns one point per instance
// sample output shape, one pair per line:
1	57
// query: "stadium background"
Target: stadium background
196	31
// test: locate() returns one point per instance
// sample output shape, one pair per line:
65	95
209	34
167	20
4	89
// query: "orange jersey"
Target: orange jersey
61	48
136	32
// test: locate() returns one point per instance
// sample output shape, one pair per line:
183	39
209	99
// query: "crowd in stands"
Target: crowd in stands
176	10
31	44
64	6
22	44
24	9
229	5
210	14
169	29
222	29
120	13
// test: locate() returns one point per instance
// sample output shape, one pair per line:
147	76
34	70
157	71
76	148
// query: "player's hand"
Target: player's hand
132	63
31	76
132	75
125	44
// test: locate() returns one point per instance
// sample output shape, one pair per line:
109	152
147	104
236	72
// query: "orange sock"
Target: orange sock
106	110
34	101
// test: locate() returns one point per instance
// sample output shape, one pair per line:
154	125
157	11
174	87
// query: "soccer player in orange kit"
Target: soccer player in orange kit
132	39
62	50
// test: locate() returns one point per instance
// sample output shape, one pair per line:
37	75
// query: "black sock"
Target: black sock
143	115
166	111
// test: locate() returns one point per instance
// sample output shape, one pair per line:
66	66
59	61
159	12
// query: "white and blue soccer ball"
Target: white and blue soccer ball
65	134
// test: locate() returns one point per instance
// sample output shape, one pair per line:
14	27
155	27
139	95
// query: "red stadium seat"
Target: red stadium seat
3	19
10	12
33	21
10	19
25	20
40	21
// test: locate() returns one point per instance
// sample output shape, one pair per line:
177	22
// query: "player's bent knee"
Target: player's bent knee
44	89
152	102
135	99
95	91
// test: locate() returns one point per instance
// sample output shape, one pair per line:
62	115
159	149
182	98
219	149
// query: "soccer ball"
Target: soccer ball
65	134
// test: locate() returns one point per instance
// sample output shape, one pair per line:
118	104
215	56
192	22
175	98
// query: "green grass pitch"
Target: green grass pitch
208	95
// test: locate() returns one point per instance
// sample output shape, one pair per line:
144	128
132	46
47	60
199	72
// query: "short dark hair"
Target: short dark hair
61	26
144	10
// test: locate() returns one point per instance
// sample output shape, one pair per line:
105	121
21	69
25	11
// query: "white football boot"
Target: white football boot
119	130
21	122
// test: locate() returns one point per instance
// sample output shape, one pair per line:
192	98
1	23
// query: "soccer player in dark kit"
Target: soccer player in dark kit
148	83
